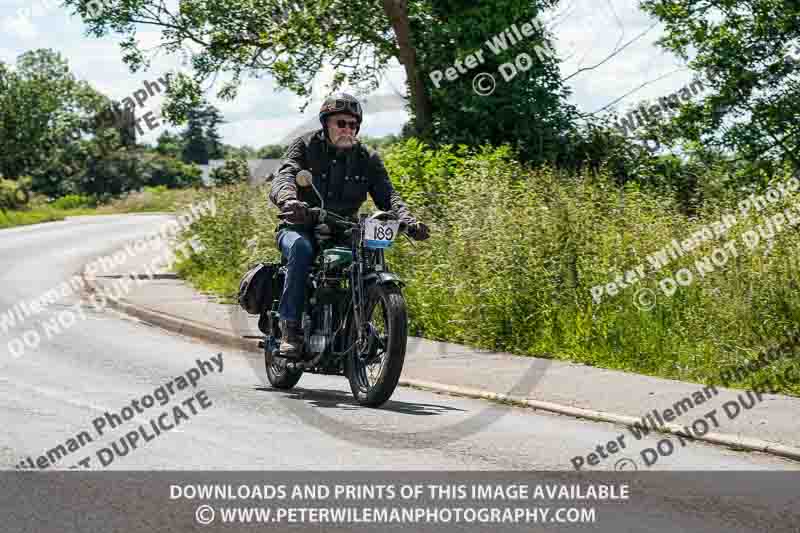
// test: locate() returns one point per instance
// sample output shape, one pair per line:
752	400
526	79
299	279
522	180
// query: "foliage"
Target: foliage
172	173
213	118
195	143
109	172
73	201
232	172
41	103
14	194
62	133
201	140
529	112
10	219
421	175
271	151
748	54
514	255
241	232
169	144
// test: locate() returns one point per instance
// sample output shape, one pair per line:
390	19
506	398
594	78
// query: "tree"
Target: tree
109	173
114	115
213	118
526	103
169	144
293	41
195	148
748	55
62	133
42	109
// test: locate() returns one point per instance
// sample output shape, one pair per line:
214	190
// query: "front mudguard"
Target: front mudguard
382	278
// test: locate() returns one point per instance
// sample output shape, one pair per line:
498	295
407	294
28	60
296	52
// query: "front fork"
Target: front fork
357	284
358	287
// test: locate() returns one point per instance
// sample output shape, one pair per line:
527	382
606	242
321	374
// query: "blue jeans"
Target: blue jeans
298	250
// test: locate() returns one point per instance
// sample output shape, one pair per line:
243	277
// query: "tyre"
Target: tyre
278	374
373	368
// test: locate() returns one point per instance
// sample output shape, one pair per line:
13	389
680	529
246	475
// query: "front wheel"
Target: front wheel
374	365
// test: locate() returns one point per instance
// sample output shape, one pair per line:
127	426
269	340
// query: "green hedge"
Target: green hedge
514	256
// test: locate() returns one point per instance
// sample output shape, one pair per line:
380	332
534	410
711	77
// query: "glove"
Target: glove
295	212
418	231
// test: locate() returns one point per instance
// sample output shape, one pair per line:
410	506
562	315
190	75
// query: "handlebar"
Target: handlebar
329	218
334	219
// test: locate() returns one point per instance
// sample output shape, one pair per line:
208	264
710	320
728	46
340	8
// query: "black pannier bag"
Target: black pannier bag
260	287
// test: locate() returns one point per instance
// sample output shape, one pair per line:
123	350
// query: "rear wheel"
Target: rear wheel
374	365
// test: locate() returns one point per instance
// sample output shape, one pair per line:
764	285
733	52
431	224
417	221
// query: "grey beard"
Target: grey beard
352	143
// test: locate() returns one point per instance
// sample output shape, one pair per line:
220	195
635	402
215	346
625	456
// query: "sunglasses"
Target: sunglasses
352	124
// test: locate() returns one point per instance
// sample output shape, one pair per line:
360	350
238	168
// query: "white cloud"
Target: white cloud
19	26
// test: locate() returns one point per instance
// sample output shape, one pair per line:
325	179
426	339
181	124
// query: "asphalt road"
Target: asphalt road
104	361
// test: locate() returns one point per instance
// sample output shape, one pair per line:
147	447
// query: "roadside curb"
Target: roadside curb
731	441
200	331
176	324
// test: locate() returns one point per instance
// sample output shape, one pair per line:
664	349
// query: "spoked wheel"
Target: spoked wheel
374	364
278	374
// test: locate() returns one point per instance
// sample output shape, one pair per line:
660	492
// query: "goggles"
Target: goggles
344	105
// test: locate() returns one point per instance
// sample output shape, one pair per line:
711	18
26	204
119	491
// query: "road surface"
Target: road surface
104	361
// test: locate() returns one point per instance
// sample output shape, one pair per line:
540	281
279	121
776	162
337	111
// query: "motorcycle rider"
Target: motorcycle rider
344	171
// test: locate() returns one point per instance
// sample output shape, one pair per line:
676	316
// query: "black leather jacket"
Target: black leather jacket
343	177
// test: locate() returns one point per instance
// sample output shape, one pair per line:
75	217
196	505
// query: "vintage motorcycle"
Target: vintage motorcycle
354	321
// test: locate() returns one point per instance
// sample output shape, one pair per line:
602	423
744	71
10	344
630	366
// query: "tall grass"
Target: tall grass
514	254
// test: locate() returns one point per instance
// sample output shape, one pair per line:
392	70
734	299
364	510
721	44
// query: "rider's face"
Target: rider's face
342	137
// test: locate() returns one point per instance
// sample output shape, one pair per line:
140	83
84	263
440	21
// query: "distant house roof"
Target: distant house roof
260	169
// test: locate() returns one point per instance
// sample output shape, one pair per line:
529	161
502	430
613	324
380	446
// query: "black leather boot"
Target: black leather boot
291	339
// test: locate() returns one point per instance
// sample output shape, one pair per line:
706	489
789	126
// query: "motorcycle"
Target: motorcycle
355	320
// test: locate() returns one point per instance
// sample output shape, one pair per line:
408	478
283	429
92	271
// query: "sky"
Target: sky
586	31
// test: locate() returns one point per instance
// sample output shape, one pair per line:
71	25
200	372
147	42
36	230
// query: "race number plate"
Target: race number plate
380	233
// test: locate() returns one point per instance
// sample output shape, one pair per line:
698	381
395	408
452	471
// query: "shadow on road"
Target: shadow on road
141	276
329	398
